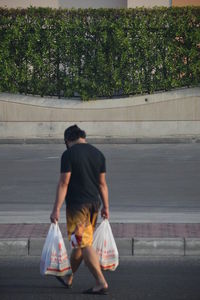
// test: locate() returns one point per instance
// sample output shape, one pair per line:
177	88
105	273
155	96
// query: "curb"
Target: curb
106	140
127	247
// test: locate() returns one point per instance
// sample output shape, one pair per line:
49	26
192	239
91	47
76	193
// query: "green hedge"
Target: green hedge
98	52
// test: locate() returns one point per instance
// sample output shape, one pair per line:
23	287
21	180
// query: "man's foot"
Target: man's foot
69	280
98	290
67	283
102	291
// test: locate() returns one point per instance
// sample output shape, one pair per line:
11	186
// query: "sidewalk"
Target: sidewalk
133	239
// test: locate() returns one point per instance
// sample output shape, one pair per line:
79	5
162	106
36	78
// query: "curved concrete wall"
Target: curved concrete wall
64	3
169	114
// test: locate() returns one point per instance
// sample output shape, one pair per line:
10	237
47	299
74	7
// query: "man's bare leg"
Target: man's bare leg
92	261
75	260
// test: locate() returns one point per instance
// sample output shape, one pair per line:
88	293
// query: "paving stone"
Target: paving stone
158	247
192	246
13	247
124	246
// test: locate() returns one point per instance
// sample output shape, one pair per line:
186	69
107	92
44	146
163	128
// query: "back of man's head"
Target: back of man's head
73	133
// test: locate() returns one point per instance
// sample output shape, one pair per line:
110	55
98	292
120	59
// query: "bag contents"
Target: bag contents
105	246
54	259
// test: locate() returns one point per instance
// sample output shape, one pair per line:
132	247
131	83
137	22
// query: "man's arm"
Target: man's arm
104	195
60	195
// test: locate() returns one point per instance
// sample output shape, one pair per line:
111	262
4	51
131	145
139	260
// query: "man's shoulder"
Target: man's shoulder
77	149
95	149
99	155
87	148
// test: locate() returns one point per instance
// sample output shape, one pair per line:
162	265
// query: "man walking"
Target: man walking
83	185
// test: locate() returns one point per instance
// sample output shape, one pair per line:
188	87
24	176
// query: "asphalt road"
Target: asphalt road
138	279
142	179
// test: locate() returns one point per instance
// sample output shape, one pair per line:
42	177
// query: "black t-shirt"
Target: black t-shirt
85	162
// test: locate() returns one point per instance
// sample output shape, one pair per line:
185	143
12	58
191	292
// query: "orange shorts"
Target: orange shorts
81	221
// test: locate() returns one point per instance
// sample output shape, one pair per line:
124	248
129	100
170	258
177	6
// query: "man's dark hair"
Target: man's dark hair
73	133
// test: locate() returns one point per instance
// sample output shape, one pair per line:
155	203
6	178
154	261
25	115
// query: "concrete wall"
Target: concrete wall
147	3
84	3
170	114
65	3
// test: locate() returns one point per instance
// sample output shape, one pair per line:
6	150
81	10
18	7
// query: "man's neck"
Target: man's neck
79	141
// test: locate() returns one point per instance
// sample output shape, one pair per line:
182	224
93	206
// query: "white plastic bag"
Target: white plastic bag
105	246
54	259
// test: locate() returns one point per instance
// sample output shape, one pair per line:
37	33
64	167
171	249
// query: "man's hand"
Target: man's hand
55	216
105	213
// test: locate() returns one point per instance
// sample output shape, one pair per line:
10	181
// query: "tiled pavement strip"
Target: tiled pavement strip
120	230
